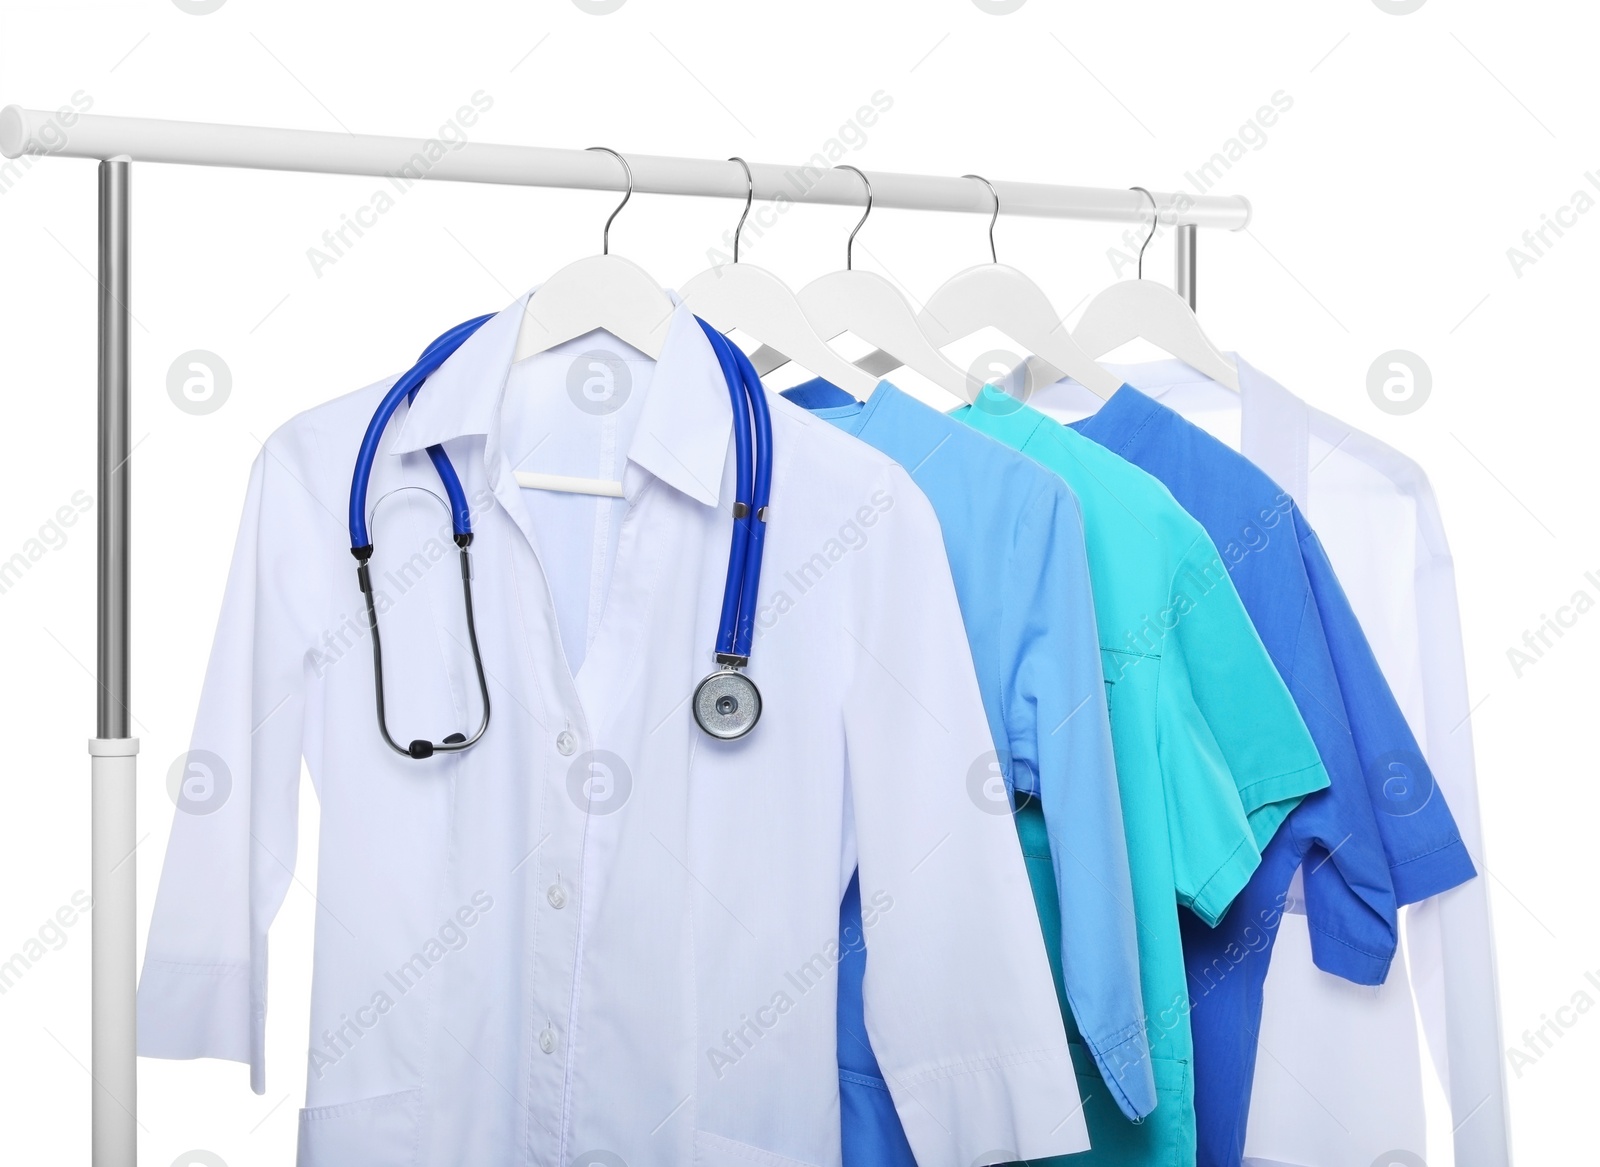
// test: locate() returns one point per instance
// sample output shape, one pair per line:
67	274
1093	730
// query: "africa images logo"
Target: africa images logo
199	381
599	782
1399	382
599	382
199	782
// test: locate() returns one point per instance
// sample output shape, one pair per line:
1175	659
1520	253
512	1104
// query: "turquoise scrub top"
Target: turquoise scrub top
1211	753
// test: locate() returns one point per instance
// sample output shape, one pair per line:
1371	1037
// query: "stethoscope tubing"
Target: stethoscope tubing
752	439
753	492
761	497
744	474
405	388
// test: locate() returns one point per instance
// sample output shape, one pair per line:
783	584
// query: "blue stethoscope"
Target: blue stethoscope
726	703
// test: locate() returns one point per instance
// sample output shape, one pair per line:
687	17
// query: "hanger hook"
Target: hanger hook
749	197
627	172
1155	221
994	256
849	245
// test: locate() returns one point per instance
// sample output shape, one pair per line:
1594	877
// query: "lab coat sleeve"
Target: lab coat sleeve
959	1003
1064	734
231	852
1452	935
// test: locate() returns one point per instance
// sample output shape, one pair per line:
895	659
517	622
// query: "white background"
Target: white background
1419	148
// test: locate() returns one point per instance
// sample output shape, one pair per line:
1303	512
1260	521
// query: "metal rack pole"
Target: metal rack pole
113	750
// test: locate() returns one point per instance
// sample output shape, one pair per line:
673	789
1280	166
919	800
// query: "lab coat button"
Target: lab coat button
547	1041
566	742
557	897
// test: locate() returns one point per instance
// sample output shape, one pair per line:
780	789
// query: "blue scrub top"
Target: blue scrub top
1014	537
1378	837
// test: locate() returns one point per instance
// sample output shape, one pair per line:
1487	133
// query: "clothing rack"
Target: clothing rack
117	142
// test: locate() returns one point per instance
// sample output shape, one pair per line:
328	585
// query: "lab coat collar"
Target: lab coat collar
685	425
1275	429
463	395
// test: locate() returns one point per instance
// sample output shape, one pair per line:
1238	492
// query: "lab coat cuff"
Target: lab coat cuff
200	1011
1124	1064
1226	882
1427	875
1269	801
998	1110
1360	966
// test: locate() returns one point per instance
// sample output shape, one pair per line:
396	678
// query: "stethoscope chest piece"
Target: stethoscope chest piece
727	704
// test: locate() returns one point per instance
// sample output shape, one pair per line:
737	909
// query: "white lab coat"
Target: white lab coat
599	931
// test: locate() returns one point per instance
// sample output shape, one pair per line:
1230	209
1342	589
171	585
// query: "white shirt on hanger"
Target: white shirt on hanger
1343	1082
599	931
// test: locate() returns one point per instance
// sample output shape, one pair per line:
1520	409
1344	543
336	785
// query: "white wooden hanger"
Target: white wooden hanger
737	296
601	291
866	304
1141	309
993	295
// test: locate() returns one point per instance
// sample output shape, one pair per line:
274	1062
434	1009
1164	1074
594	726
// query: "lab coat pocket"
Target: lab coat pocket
370	1132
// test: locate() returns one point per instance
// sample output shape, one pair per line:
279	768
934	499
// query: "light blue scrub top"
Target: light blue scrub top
1014	536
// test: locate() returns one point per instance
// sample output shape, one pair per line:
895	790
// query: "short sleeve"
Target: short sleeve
1060	728
1350	901
1419	835
1350	905
1214	850
1228	712
1263	739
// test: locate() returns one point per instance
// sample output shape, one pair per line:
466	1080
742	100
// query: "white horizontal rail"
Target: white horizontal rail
35	131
